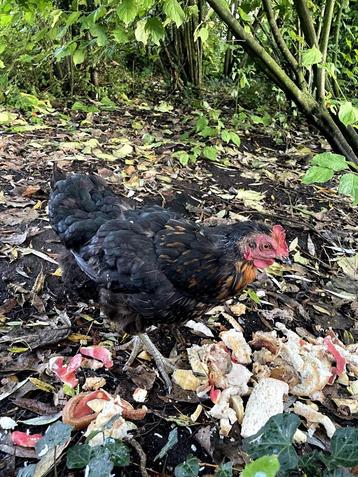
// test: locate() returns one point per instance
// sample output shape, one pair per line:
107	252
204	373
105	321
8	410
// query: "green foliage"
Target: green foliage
310	57
189	468
174	11
325	165
344	447
113	453
348	185
275	438
210	127
336	162
348	114
55	435
273	450
224	470
209	152
6	118
266	466
127	11
100	465
78	456
317	174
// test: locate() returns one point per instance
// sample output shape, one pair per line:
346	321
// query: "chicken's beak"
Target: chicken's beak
284	260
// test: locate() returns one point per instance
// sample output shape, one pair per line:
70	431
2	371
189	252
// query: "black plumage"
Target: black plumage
149	265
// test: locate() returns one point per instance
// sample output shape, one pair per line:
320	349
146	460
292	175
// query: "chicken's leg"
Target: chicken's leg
163	364
137	347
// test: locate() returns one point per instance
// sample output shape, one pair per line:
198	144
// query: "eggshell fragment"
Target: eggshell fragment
266	400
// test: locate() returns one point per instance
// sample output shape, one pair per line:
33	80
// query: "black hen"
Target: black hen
149	265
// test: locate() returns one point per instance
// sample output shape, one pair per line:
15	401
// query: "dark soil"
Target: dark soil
195	192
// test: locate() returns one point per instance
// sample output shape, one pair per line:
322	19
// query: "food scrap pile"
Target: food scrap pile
272	366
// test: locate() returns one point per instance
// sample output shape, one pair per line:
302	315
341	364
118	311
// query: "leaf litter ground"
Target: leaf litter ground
132	150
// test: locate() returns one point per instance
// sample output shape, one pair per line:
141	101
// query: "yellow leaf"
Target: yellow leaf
38	205
17	349
57	272
76	337
48	388
86	317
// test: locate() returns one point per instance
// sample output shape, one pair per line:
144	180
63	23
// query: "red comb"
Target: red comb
279	234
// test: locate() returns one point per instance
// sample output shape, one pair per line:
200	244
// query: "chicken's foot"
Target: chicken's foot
163	364
136	344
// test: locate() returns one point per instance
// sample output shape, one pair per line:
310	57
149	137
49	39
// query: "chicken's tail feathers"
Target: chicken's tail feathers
57	175
79	205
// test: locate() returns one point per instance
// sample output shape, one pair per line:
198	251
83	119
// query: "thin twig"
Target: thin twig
142	456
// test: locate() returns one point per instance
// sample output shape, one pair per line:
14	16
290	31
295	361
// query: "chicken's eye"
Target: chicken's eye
267	246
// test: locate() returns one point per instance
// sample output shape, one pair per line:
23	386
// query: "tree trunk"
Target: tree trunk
315	111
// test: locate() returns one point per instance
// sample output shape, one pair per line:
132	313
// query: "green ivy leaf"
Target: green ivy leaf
55	435
275	438
78	456
310	57
78	56
266	466
210	152
119	452
318	175
309	462
189	468
101	465
183	157
155	29
225	135
224	470
348	114
336	162
127	11
174	11
348	185
337	473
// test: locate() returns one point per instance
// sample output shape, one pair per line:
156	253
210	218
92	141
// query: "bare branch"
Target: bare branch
282	44
306	22
326	29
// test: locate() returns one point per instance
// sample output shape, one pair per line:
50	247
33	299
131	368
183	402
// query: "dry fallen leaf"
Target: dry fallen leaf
349	266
